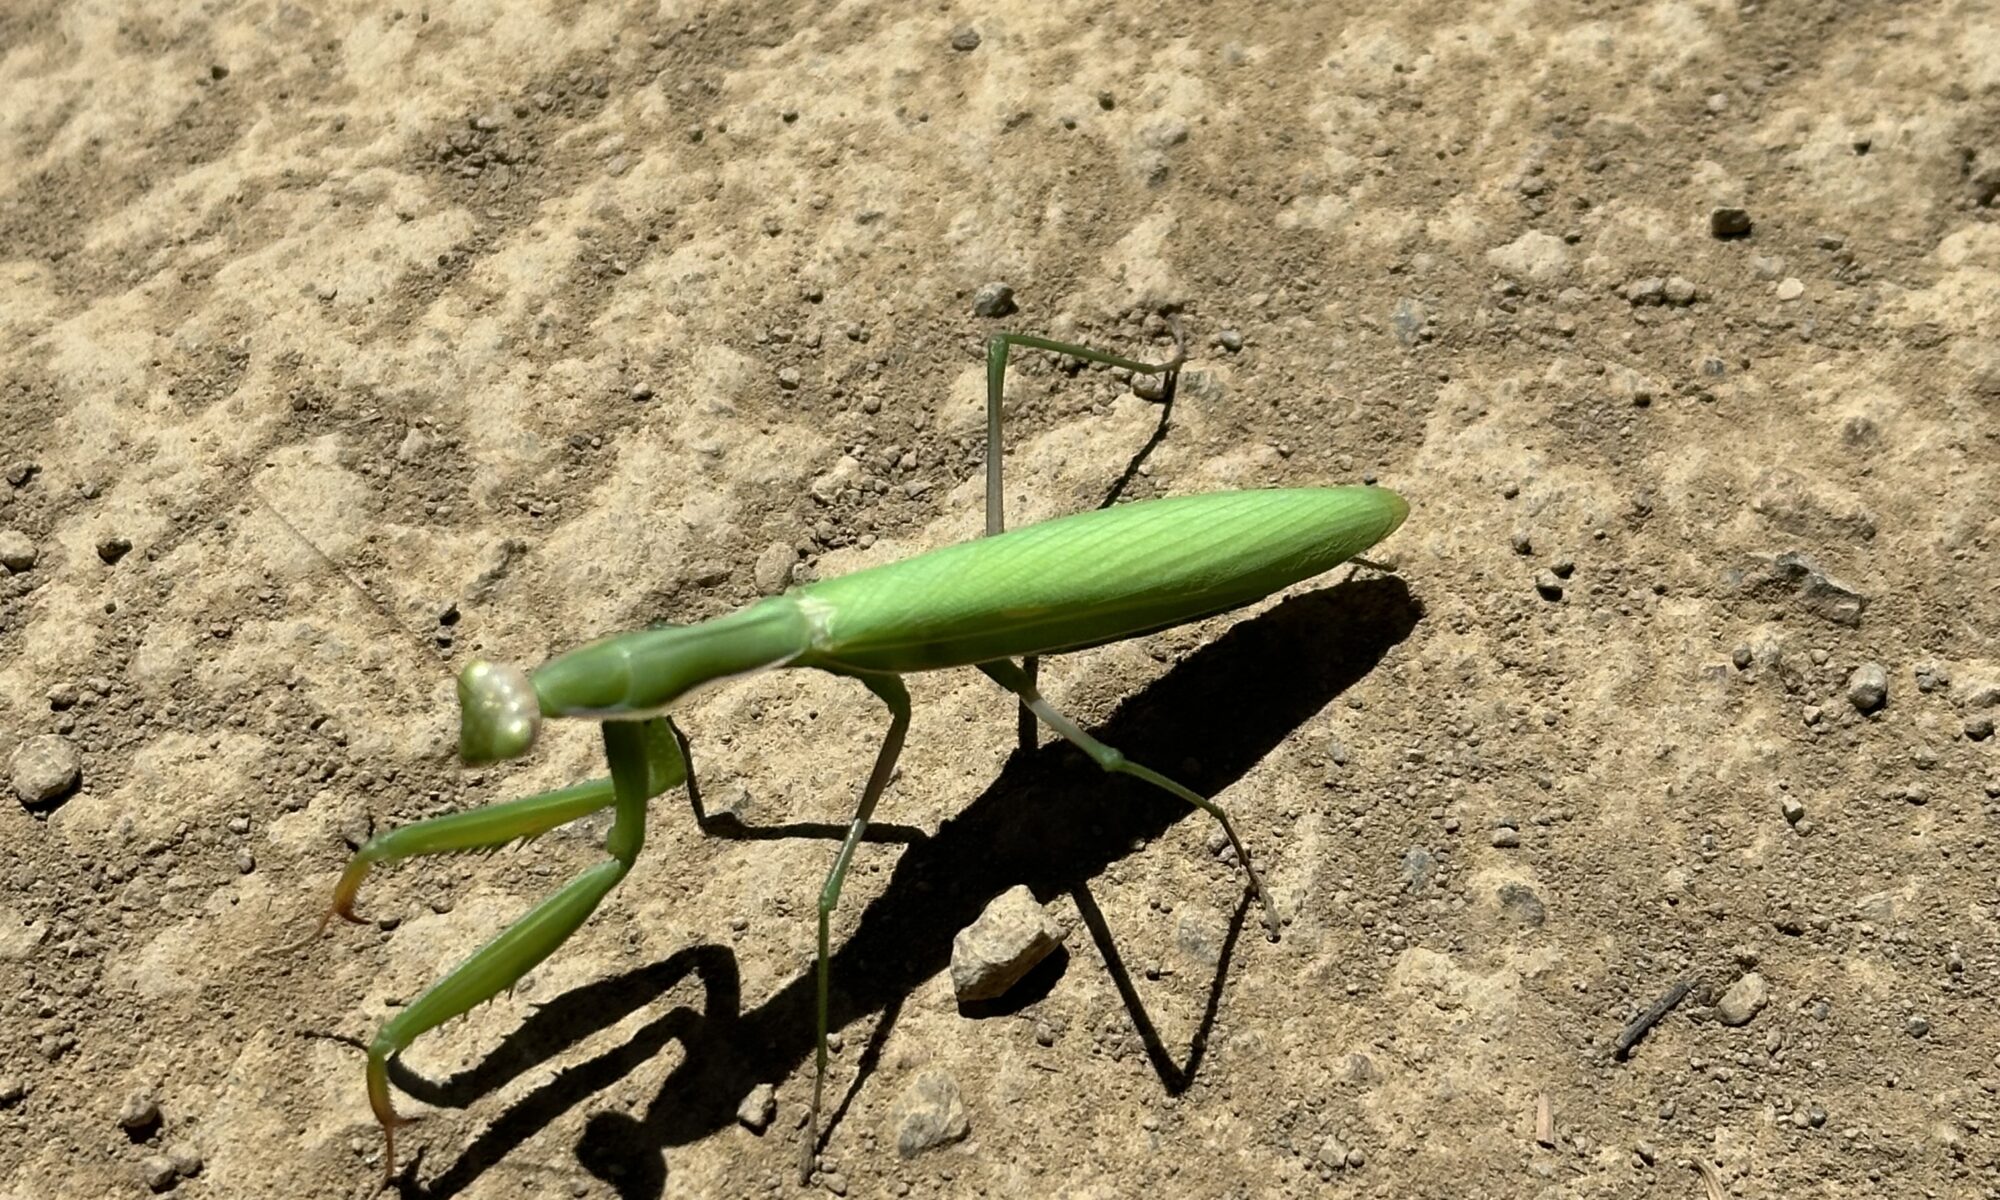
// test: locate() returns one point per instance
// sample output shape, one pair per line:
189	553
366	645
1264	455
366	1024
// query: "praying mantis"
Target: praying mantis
1060	585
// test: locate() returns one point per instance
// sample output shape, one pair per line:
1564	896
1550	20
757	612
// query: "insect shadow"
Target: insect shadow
1051	820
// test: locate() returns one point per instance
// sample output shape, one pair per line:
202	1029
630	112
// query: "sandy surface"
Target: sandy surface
342	342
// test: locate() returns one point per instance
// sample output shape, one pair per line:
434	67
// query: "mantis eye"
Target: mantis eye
498	712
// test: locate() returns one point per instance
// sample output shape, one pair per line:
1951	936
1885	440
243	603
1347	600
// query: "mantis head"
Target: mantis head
498	712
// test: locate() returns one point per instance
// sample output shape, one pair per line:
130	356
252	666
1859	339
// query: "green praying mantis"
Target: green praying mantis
1061	585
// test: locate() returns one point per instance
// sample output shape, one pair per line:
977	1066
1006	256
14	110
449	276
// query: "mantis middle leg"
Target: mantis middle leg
1011	677
997	347
897	697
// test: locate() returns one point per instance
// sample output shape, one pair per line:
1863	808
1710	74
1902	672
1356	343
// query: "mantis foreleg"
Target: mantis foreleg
891	690
638	772
1015	680
997	347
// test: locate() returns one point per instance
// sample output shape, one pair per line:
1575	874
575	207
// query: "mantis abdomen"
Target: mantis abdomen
1090	578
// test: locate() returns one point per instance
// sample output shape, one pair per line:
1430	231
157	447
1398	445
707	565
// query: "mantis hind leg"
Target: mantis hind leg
997	348
897	697
636	776
1011	677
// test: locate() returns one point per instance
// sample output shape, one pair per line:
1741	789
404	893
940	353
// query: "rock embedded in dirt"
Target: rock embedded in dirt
140	1114
113	547
965	39
1744	1000
1868	687
45	768
1006	942
17	551
1811	588
1728	221
994	299
1522	905
929	1113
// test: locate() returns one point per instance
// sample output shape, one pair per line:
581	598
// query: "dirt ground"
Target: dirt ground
343	342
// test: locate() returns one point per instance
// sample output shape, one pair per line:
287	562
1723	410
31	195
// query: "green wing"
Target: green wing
1094	577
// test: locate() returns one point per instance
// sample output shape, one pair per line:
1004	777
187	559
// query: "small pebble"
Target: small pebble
758	1108
1651	290
140	1113
965	39
1917	1027
1006	942
17	551
1741	656
45	768
1549	585
788	378
1793	810
1506	837
1791	288
158	1173
1979	728
994	299
1679	291
1229	340
773	569
12	1091
112	548
1868	687
1728	221
1522	543
1743	1001
186	1159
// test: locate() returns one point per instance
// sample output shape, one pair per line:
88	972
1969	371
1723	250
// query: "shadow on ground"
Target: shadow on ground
1051	820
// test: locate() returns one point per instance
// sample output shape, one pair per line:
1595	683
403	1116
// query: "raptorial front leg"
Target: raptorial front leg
495	825
637	774
997	348
897	697
1011	677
